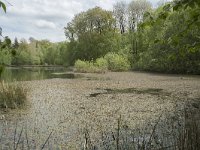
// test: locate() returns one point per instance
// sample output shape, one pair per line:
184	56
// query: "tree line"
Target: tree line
32	52
162	39
165	39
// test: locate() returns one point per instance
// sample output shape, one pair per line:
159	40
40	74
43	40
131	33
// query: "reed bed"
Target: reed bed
12	95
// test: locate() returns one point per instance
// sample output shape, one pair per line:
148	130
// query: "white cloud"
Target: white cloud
44	19
45	24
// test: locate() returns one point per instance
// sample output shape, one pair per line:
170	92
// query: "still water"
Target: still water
36	73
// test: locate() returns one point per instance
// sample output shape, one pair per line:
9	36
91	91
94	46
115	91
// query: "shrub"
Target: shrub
5	57
117	62
111	61
84	66
81	66
101	64
12	95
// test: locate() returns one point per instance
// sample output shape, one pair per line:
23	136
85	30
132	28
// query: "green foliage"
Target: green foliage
117	62
5	52
165	39
171	42
23	55
16	43
85	67
3	6
101	64
40	53
12	95
5	57
91	35
111	61
53	53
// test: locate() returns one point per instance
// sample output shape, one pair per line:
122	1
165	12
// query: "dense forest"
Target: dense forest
133	36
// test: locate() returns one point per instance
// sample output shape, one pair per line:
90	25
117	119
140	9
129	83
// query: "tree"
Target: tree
16	44
5	52
3	6
171	38
32	40
136	10
91	34
120	15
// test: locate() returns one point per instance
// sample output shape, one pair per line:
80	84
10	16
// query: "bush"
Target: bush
117	62
5	57
101	64
81	66
111	61
84	66
12	95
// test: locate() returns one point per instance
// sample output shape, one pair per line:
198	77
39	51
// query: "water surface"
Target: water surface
36	73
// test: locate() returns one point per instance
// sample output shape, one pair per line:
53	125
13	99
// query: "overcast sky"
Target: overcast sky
45	19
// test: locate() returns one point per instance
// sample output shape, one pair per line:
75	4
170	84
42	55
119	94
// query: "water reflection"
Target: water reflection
36	73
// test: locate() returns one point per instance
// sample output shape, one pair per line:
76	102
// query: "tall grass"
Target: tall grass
12	95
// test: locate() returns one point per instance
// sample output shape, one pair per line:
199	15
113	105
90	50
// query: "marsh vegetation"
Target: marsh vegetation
12	95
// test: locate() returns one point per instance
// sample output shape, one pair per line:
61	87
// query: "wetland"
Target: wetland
62	109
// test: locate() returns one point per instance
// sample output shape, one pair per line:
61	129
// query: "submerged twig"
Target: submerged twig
152	134
27	142
15	136
118	130
19	138
46	140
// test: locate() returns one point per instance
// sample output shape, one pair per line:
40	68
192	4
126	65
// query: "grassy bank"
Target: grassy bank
12	95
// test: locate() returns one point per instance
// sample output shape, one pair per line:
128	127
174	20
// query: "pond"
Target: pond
66	113
36	73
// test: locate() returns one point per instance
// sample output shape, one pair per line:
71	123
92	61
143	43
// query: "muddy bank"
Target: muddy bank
66	107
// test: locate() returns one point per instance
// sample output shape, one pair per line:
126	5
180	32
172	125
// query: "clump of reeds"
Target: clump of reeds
12	95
